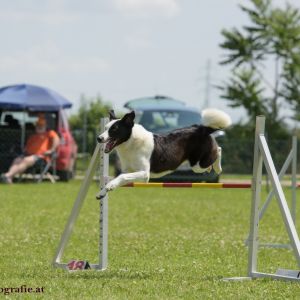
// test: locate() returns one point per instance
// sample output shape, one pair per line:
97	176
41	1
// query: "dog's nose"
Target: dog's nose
100	139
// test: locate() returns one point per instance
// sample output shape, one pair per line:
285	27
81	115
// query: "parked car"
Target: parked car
161	114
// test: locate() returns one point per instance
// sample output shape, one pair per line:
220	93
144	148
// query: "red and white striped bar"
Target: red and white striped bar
233	185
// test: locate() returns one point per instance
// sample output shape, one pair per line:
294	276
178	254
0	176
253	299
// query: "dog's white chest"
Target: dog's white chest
135	153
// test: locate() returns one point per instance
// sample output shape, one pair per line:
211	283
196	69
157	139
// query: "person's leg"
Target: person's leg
17	160
19	166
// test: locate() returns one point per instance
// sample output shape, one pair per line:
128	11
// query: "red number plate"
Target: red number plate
74	265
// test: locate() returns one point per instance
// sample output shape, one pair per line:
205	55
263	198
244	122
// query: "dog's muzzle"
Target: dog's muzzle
110	143
100	139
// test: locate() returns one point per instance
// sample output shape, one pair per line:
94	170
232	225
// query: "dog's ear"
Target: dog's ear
112	115
128	119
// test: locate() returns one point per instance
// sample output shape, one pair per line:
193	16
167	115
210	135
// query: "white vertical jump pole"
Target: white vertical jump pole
256	197
294	178
103	239
103	223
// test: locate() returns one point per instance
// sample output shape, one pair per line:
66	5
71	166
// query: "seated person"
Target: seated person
40	145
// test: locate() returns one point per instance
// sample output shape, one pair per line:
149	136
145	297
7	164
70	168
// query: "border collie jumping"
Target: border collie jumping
144	154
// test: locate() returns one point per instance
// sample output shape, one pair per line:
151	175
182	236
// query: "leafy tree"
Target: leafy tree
271	39
86	122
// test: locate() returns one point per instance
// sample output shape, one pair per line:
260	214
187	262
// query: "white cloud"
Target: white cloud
47	58
57	12
52	12
148	8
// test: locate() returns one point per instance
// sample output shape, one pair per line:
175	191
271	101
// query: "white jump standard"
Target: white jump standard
261	155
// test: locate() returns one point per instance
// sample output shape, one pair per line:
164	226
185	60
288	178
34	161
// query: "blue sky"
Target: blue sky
120	49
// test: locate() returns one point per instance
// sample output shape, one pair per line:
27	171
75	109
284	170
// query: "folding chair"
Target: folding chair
42	168
51	164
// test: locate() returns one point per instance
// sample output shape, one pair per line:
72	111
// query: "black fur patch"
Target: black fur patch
193	143
120	131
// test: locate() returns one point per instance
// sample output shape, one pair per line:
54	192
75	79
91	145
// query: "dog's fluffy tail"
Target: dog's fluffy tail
215	119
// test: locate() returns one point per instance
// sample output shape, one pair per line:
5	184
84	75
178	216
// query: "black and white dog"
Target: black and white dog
144	154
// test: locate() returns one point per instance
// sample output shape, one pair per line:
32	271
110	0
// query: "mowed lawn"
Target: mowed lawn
163	244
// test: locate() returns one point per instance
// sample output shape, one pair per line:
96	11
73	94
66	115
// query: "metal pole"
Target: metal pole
280	175
294	179
103	238
256	195
77	206
207	85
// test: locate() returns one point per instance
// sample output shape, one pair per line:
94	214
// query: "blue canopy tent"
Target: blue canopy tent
31	98
27	97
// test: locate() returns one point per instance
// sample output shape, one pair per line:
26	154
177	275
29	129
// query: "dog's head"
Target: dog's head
117	131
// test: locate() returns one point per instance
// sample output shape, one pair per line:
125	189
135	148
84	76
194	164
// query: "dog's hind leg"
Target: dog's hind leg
217	164
209	161
197	169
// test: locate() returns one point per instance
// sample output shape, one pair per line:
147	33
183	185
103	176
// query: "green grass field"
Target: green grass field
163	244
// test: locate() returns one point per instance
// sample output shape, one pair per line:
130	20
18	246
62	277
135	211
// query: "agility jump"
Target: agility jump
261	155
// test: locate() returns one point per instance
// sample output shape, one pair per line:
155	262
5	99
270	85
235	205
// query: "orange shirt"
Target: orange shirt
39	143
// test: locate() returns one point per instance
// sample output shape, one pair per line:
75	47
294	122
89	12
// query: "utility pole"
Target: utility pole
207	84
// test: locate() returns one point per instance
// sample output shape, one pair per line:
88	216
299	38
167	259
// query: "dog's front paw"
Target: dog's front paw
101	194
111	186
